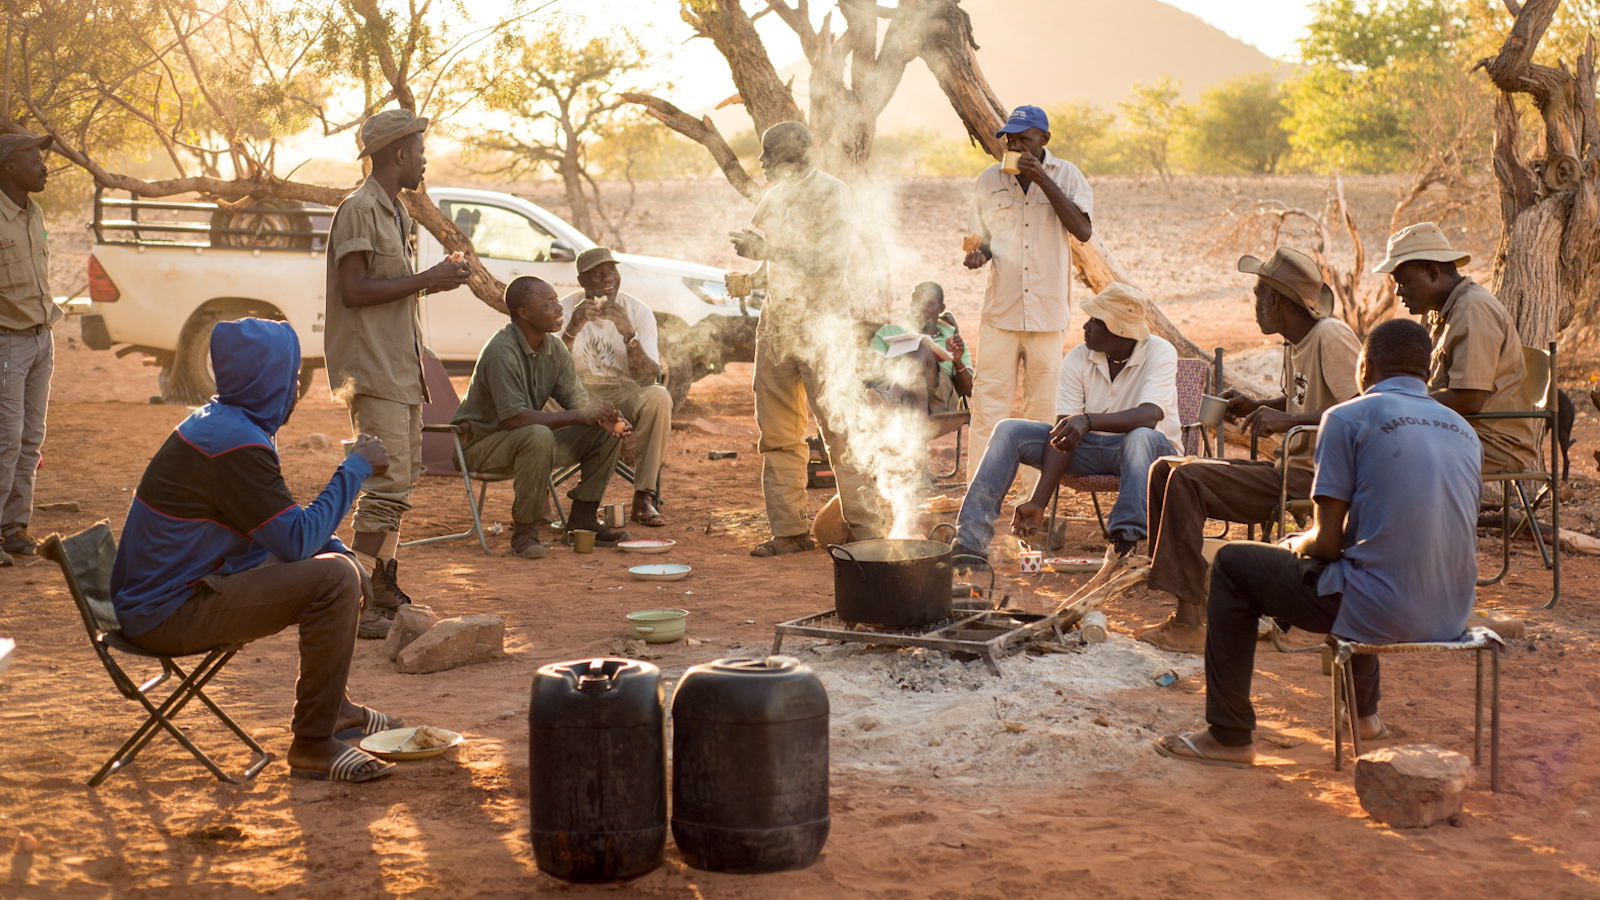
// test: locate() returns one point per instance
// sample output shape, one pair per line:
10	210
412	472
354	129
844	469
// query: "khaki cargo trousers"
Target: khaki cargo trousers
785	387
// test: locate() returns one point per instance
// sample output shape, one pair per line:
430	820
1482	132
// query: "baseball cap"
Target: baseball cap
1023	118
594	256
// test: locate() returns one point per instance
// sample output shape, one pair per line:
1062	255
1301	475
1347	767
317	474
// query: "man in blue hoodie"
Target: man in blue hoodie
215	550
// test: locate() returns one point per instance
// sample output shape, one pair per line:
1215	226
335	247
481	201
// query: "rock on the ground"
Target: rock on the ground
1413	785
829	527
410	622
315	441
454	642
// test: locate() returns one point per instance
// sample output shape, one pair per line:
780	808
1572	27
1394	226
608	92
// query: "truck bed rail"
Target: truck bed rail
277	228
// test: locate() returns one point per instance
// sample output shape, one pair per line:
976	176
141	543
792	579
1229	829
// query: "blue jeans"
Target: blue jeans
1021	442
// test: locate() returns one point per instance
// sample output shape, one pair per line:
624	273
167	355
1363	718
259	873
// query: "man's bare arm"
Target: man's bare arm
1325	540
357	290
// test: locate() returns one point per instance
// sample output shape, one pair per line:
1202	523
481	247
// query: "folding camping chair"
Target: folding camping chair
1193	376
442	453
1541	381
86	559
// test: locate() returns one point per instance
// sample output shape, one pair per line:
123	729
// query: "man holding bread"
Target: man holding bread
1024	213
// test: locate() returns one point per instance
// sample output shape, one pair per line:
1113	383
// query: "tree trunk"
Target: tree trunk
577	203
1547	266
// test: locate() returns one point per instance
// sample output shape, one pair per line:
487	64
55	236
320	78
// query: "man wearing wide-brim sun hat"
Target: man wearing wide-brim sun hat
1477	353
1319	371
1116	413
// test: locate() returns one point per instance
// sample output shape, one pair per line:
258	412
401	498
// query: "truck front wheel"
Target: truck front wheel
187	380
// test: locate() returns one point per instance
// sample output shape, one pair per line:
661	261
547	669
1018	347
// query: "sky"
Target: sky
701	77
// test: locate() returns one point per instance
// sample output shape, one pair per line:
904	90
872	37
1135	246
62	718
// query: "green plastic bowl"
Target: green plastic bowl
659	626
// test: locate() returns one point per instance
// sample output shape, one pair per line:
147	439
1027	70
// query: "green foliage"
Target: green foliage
1086	135
1385	80
1153	115
1237	126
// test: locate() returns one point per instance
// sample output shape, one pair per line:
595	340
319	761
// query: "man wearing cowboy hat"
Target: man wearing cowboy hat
1025	221
27	355
373	341
1116	414
612	336
1319	371
1477	353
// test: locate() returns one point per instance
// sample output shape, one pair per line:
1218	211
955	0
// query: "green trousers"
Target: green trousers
530	453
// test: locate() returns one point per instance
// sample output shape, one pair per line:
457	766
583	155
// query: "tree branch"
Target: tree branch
703	132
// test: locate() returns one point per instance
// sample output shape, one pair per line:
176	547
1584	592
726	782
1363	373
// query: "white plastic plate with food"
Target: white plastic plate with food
1074	564
420	742
649	546
661	572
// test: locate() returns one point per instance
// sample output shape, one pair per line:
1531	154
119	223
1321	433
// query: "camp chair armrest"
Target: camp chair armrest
460	429
1526	414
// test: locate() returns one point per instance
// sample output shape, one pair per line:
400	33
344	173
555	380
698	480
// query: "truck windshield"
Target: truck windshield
499	233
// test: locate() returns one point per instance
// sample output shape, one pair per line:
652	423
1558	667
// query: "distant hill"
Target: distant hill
1044	52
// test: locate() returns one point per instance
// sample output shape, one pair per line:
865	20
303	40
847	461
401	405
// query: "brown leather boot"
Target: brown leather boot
387	598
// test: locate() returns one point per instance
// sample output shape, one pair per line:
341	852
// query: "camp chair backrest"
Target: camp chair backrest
1193	376
438	449
86	559
1540	388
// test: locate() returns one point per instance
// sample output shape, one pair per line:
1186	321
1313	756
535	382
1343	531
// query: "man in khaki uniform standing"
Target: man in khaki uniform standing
1025	221
373	342
1477	361
806	341
27	356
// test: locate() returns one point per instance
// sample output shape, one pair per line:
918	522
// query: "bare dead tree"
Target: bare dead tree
1547	265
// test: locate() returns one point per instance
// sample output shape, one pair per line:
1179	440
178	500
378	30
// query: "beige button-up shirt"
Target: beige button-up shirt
1151	376
811	215
1476	348
1030	274
25	299
373	350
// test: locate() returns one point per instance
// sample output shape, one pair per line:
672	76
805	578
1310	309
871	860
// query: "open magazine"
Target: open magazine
901	344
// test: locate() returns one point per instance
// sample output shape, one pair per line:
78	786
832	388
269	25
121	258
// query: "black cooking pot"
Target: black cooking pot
892	583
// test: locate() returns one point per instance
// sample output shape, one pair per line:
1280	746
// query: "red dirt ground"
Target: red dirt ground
457	825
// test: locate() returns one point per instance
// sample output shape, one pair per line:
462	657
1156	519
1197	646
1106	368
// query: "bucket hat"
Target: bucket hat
1422	241
387	127
22	140
1121	307
1296	275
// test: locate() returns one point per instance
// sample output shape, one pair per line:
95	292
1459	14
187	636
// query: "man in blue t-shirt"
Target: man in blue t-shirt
1390	559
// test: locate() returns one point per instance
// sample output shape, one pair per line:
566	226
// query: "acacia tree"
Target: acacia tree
216	84
562	94
1152	117
1547	265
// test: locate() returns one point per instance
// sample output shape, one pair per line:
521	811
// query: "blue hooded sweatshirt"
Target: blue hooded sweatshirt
213	500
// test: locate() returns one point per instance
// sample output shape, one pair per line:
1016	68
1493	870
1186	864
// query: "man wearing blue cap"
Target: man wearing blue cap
1025	233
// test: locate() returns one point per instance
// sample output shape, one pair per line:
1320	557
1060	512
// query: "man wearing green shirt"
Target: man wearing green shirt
519	370
922	379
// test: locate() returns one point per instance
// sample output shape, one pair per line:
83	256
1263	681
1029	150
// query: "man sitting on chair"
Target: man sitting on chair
216	551
1391	559
1116	413
612	337
1477	354
1319	370
919	378
518	371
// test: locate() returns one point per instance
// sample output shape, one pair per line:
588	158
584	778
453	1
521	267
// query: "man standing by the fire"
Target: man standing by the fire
804	242
1023	213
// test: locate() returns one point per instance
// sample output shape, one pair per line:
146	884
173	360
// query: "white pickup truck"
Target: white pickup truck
160	278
